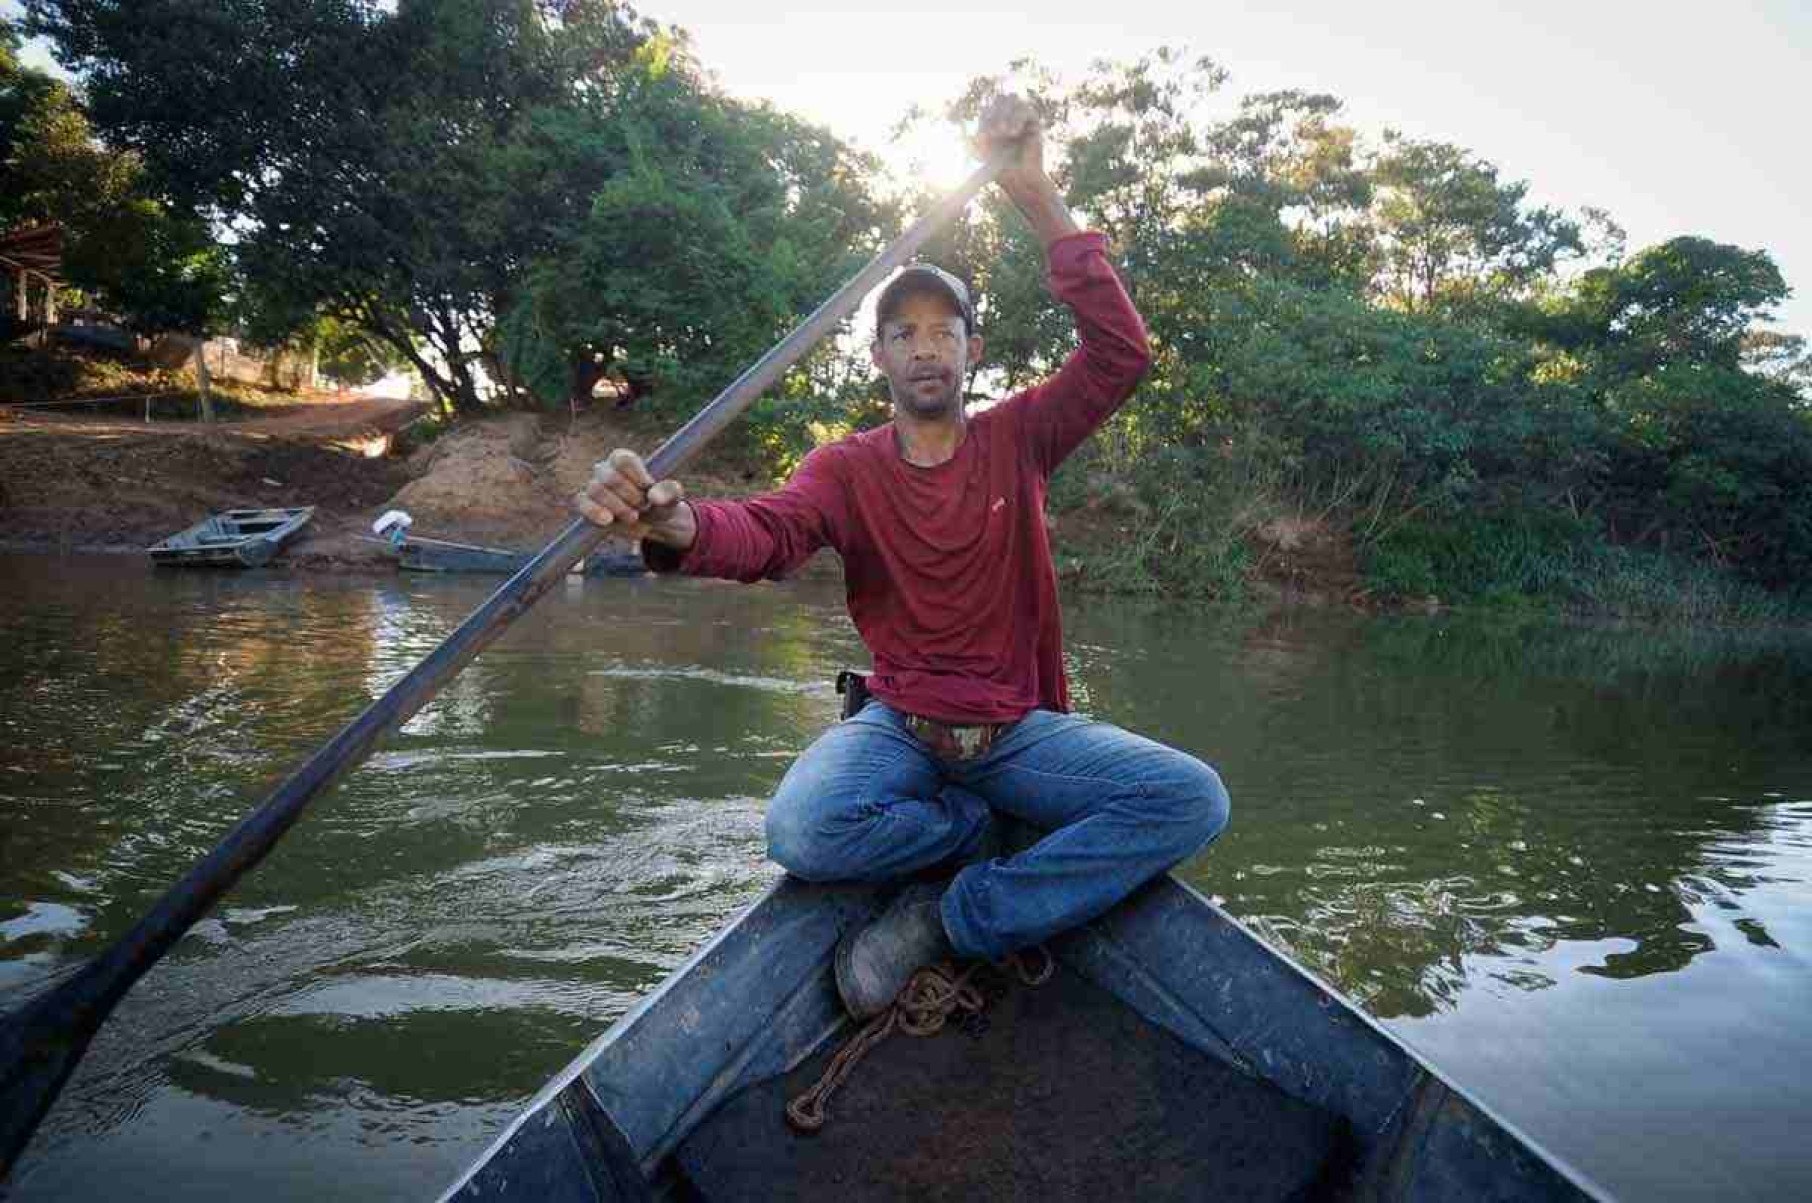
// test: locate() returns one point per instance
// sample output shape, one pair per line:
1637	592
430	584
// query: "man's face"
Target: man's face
925	354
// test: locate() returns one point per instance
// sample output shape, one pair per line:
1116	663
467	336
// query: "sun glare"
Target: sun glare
934	154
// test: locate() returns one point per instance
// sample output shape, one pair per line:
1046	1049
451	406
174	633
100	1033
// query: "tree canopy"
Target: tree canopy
158	267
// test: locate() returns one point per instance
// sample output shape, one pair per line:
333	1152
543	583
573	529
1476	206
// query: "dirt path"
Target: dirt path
69	483
356	419
340	419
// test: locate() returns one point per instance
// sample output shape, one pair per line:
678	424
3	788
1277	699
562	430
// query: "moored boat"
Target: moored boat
418	553
1171	1055
234	539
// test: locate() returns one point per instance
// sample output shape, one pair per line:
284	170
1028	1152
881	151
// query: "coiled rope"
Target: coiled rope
930	998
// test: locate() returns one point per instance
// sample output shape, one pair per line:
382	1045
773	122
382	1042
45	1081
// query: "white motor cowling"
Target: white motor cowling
393	525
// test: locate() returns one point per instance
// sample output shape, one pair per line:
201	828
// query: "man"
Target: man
939	519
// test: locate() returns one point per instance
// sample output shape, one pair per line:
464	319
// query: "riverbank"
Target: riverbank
70	484
115	484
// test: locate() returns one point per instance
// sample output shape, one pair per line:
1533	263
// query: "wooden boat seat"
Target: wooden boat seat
1064	1094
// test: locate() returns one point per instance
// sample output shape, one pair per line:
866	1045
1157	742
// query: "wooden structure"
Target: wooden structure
32	258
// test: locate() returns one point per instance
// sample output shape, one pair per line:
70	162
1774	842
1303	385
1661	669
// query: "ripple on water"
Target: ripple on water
714	676
44	919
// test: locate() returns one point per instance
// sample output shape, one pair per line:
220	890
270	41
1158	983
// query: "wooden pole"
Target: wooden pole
205	401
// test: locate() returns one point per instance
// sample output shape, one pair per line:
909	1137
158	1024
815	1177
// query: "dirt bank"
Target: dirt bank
68	484
72	484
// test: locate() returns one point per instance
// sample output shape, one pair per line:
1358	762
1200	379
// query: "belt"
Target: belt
953	741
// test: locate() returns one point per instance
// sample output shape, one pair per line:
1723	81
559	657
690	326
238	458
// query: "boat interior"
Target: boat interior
1053	1092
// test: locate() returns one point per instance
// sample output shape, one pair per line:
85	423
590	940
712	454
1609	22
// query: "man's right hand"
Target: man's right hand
623	496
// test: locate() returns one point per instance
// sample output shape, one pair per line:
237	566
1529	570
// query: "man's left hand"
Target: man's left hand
1011	121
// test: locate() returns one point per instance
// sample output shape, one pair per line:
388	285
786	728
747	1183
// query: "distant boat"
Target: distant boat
234	539
1170	1055
420	554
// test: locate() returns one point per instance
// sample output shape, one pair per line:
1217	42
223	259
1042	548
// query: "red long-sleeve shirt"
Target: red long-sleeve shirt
948	568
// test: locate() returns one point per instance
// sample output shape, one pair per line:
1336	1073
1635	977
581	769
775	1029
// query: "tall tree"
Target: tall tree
1450	230
1687	300
380	164
717	224
1286	154
159	269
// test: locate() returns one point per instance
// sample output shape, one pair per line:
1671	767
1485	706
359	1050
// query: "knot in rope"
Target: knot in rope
935	993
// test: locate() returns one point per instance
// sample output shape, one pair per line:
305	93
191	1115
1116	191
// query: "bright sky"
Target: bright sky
1677	118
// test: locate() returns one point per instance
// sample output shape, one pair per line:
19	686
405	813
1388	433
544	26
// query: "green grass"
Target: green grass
1555	563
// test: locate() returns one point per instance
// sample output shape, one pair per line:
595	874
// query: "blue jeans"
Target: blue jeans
868	801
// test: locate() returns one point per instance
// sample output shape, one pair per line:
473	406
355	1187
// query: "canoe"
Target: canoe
418	553
1172	1055
235	538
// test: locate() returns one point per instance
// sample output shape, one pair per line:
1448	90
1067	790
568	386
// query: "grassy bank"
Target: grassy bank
1231	524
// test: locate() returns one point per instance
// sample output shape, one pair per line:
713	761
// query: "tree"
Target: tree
157	268
1687	301
385	166
1450	231
1284	151
1714	463
1783	358
716	226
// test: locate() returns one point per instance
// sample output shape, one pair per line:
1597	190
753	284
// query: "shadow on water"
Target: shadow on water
1462	824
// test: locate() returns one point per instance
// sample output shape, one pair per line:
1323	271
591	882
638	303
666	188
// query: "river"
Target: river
1571	866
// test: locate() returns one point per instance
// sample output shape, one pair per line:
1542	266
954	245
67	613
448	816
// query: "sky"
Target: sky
1676	118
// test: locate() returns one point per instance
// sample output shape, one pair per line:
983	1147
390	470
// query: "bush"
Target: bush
1472	557
1191	512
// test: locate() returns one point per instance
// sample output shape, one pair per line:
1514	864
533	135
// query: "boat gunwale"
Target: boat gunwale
1565	1168
576	1068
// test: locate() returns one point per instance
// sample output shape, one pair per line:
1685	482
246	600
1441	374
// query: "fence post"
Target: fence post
201	379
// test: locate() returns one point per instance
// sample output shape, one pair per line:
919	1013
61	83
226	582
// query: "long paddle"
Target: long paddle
41	1043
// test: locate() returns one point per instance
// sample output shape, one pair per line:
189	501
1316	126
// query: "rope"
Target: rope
922	1008
88	400
806	1113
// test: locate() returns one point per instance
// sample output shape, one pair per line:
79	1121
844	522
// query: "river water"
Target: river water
1571	866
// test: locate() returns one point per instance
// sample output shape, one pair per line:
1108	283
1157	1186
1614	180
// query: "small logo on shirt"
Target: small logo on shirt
999	503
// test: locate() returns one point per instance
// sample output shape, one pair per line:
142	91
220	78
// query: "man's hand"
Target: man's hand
1011	121
623	496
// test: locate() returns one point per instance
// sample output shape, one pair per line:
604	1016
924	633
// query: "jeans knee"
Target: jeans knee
794	845
1197	804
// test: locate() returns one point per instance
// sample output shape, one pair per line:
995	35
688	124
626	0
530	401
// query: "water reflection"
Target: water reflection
1448	820
1409	795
